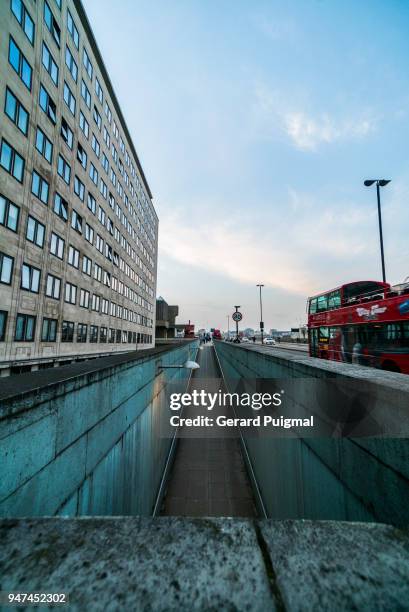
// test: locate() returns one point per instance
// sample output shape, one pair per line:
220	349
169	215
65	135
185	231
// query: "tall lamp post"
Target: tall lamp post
228	327
379	183
261	316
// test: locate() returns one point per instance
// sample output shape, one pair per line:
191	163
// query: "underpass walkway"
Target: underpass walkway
209	476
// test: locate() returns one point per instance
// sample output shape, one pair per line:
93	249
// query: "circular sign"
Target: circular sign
237	316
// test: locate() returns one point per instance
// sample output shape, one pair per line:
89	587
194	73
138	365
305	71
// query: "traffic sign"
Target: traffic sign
237	316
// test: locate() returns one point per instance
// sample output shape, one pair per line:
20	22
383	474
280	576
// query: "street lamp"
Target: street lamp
261	316
228	327
379	183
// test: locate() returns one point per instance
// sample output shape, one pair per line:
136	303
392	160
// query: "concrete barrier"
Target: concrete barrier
89	438
362	478
186	564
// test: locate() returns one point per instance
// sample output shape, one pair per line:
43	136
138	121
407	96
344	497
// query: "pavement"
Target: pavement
207	564
208	477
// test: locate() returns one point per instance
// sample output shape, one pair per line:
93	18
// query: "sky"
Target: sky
256	124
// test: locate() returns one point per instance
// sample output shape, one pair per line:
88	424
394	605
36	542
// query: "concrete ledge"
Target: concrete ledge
208	564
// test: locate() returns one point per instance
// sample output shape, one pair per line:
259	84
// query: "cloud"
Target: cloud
306	131
307	247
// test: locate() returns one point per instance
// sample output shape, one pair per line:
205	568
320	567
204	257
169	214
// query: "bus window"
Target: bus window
405	333
322	302
334	299
324	334
313	305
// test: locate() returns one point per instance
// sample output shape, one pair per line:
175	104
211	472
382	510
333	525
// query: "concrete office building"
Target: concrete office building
78	231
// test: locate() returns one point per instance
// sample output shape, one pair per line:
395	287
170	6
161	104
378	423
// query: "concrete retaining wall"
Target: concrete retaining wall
343	478
90	443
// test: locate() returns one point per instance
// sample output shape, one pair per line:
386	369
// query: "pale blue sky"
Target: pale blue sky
256	123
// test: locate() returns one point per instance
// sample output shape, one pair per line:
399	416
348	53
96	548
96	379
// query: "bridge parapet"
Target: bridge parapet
88	438
357	466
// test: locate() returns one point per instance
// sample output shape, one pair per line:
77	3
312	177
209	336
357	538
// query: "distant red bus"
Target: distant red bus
365	322
217	334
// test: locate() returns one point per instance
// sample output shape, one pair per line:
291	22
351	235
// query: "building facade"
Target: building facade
78	231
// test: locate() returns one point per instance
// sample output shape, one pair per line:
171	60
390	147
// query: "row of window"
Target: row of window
23	68
25	330
31	276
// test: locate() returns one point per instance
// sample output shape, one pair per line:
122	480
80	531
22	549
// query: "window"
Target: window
58	3
57	245
69	98
73	257
9	214
39	187
95	302
64	169
87	63
97	272
107	139
89	233
49	64
52	24
108	113
6	268
82	156
49	330
25	328
30	278
73	30
84	298
67	331
101	215
97	118
23	17
48	105
105	163
103	189
92	205
11	161
93	333
111	335
93	174
20	64
79	188
16	112
71	63
76	221
60	206
53	287
70	295
85	94
98	90
82	332
44	145
105	306
95	145
84	125
115	130
322	302
86	265
66	133
103	334
3	325
35	232
99	243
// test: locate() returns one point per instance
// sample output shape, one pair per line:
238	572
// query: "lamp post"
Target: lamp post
228	327
379	183
261	316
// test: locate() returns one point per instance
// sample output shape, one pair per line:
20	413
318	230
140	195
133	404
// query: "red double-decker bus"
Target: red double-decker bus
364	322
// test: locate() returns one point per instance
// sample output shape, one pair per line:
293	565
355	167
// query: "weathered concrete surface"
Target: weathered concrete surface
88	438
133	563
353	477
